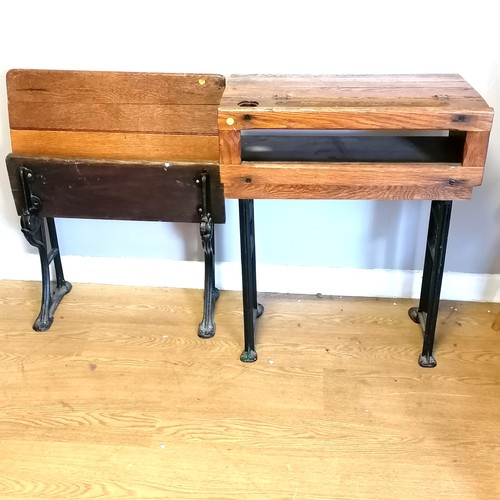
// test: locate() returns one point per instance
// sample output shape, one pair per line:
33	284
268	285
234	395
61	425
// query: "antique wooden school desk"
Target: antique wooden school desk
114	145
376	137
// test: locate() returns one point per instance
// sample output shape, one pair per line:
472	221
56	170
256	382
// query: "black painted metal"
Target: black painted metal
41	233
427	310
206	328
251	308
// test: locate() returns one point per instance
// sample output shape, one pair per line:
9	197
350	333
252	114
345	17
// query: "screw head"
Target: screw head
230	121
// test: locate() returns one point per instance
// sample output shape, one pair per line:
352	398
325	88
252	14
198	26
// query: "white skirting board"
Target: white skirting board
270	278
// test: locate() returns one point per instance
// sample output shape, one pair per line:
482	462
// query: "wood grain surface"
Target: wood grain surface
475	149
361	181
356	118
109	87
353	102
450	166
122	399
181	119
110	146
230	146
115	146
143	116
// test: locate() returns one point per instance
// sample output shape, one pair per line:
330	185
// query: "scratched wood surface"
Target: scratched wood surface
353	102
122	399
117	190
348	181
141	114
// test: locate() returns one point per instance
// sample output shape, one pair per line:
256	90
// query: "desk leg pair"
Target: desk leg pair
425	314
41	233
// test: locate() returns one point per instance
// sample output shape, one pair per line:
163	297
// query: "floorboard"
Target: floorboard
121	399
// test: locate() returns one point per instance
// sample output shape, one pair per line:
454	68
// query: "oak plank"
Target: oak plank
354	102
355	118
361	181
451	90
235	188
168	119
410	174
108	87
475	149
115	146
230	146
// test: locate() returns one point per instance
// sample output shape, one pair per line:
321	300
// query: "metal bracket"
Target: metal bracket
32	203
206	225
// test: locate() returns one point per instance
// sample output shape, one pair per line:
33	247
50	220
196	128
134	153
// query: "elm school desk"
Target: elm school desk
376	137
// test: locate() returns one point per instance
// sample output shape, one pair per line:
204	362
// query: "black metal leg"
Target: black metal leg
251	308
427	310
41	233
206	328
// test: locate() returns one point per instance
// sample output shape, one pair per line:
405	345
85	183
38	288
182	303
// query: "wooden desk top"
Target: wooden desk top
294	162
442	101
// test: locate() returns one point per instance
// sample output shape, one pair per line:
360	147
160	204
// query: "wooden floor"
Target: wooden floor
121	399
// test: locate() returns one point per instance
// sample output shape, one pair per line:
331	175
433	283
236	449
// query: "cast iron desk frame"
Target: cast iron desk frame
117	146
368	102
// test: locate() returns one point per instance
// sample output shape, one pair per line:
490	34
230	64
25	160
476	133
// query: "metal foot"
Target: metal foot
260	310
206	328
413	314
46	316
248	356
427	361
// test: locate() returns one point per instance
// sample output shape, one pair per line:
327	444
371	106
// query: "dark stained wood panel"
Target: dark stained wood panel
103	87
117	190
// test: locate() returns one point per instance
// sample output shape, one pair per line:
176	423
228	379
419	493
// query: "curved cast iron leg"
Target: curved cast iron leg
39	232
426	312
251	308
206	328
